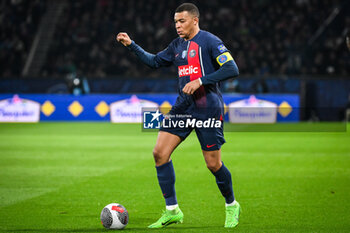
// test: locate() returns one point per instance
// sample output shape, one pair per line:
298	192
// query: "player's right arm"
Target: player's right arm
163	58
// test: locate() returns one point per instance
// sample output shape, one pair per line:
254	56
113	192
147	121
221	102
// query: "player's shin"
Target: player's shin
166	179
224	182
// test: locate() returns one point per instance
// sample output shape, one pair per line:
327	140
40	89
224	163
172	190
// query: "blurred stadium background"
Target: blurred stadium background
57	176
284	46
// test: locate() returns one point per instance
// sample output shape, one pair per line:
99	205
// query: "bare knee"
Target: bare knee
213	165
213	160
160	157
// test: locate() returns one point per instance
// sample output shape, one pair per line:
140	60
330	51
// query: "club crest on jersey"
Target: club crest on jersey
192	53
184	53
188	70
222	48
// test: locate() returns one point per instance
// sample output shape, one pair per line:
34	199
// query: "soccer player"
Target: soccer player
203	61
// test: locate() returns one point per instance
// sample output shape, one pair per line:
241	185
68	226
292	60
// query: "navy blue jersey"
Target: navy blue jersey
195	58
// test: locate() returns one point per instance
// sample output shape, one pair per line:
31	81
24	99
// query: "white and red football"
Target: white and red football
114	216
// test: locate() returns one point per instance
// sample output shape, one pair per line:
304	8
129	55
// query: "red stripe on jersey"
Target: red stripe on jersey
194	61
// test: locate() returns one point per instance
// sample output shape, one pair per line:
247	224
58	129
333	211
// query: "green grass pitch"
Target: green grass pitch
57	177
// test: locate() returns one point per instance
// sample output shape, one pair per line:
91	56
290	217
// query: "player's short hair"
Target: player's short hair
190	7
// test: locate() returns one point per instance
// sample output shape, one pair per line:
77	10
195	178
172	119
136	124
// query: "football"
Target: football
114	216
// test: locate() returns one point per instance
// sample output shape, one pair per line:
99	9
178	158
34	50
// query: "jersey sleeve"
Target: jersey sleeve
218	51
222	56
166	57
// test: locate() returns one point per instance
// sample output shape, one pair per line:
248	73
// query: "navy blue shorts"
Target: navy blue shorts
210	138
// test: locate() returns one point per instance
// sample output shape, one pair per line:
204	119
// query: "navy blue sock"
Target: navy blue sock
166	179
224	182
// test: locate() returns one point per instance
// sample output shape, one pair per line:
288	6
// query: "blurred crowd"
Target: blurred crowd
19	21
266	37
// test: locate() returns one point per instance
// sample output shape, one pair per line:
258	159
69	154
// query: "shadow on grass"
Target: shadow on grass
58	230
127	229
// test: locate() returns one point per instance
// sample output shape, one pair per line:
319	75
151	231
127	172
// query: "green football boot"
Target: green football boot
232	215
168	217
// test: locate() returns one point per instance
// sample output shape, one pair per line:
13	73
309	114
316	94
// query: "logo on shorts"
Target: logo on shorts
152	119
210	146
192	53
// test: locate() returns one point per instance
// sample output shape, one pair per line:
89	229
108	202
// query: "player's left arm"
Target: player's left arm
228	69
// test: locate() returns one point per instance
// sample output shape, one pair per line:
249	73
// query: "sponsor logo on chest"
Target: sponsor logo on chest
188	70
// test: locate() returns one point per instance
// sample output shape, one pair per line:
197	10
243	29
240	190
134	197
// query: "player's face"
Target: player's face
185	24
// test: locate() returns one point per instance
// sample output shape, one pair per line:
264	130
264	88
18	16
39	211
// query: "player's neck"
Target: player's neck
193	34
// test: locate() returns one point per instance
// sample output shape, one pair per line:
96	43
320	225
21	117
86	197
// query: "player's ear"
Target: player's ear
195	20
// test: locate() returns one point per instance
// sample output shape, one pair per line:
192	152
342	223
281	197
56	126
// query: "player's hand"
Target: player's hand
191	87
123	38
